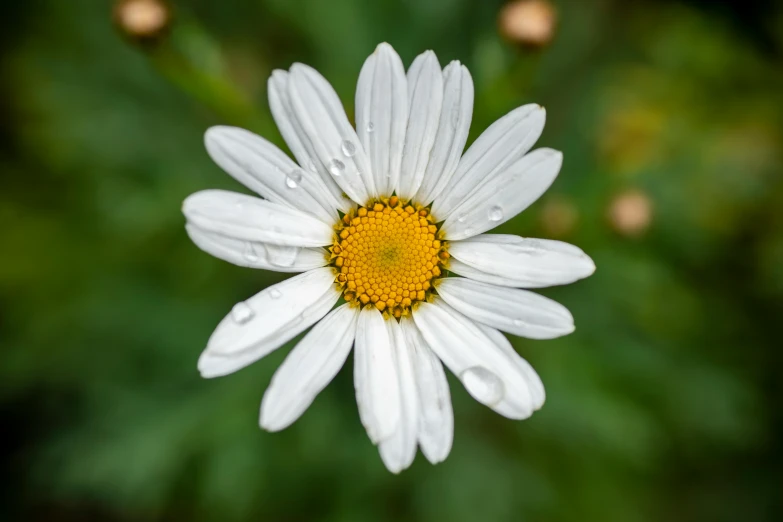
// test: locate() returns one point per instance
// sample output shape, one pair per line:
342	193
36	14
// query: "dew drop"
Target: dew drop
461	218
454	117
293	179
495	213
336	167
311	165
250	253
534	248
275	293
483	385
520	323
282	256
349	149
370	126
242	313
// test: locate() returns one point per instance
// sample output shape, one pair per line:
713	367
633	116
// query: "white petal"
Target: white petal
456	114
519	312
310	366
505	195
508	260
503	143
484	368
298	142
375	376
425	97
266	321
253	254
436	417
399	450
324	123
265	169
252	219
531	376
382	115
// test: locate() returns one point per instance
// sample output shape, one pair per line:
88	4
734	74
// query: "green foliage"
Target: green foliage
661	406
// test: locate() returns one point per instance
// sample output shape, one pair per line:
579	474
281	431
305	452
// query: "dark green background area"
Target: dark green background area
663	405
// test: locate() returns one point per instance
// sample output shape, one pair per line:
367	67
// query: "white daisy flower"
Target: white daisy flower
376	218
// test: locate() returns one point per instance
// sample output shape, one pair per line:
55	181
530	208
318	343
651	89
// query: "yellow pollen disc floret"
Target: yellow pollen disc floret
388	254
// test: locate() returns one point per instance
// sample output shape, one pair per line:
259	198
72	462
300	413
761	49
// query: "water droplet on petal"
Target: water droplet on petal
520	323
454	117
336	167
370	126
250	253
283	256
483	385
495	213
275	293
349	149
461	218
242	313
293	179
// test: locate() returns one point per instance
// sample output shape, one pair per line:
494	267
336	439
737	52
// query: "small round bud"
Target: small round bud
630	213
142	20
528	22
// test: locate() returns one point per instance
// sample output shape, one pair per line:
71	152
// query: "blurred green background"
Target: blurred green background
663	405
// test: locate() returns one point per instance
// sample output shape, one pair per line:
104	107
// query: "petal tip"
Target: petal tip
299	69
190	202
267	423
206	368
384	47
590	266
217	132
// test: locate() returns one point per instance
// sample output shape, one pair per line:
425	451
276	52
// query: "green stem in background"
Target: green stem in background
191	60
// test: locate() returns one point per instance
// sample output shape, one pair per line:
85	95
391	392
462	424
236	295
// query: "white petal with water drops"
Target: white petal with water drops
436	417
532	379
322	119
462	345
375	377
483	385
252	219
254	254
310	366
512	310
268	320
382	115
294	178
453	127
265	169
425	97
502	144
299	143
504	196
242	313
281	256
509	260
399	450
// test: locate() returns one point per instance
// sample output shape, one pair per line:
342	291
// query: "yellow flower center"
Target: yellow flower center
387	254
